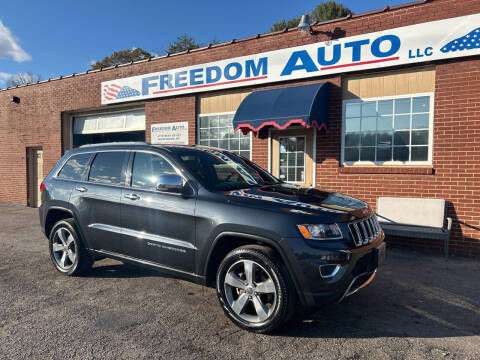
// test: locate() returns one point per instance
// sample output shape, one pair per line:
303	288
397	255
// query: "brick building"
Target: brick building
401	118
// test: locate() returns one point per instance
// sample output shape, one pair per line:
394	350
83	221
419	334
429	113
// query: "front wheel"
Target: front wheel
254	289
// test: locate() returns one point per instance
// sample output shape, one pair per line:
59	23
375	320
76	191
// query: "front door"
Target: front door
35	176
292	153
157	226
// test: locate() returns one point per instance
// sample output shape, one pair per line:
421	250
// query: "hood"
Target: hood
299	200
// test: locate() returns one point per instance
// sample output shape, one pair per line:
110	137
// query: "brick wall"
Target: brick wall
36	121
455	175
172	110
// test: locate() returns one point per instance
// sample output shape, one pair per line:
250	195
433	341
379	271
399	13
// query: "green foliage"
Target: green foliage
282	24
122	57
183	43
329	10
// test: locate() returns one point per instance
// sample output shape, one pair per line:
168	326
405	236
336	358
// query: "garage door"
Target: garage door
109	127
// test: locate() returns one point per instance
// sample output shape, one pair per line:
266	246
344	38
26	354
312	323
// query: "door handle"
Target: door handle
81	188
132	196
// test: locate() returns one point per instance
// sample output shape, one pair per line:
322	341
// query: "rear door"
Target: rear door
157	226
97	201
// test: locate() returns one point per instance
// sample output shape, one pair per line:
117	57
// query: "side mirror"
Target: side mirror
282	177
170	183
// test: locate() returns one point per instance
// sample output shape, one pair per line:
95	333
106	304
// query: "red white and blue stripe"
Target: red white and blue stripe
113	91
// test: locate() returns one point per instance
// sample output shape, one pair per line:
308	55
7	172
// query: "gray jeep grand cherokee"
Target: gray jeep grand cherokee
210	216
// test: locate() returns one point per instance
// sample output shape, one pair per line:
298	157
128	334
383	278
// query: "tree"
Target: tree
282	24
215	41
183	43
122	57
329	10
22	79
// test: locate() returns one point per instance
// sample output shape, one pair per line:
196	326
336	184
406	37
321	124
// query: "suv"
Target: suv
212	217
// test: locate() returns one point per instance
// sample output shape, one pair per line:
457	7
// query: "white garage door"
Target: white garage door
110	122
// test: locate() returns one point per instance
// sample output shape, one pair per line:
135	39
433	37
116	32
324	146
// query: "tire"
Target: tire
67	251
261	302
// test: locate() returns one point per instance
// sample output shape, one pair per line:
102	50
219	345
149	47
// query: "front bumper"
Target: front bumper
357	268
358	282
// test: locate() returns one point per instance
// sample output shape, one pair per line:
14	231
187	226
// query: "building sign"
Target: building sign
170	133
442	39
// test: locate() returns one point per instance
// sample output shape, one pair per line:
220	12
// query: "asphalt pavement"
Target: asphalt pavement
419	306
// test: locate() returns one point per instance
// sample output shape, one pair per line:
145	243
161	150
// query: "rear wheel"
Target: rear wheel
254	289
67	251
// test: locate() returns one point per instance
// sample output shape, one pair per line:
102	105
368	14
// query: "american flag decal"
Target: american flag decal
113	91
467	42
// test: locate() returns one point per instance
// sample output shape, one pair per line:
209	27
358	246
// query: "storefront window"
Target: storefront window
217	131
292	158
388	130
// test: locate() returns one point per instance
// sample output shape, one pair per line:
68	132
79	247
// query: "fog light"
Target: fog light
329	270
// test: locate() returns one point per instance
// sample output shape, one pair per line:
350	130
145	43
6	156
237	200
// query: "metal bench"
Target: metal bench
415	218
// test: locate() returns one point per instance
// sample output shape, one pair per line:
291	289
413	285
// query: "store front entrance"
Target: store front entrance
292	154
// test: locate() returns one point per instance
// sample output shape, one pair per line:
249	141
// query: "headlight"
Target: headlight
320	231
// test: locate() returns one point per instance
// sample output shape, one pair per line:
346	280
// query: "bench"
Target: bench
415	218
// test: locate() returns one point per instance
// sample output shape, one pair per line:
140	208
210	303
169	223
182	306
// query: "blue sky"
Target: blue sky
59	37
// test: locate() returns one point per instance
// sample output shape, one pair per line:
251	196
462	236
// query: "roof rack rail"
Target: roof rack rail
116	143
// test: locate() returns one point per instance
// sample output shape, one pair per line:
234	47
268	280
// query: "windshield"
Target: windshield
221	170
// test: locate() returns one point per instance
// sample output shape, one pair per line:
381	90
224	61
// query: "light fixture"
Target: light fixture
304	25
15	99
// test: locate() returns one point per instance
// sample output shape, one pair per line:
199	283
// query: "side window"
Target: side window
76	168
147	168
107	168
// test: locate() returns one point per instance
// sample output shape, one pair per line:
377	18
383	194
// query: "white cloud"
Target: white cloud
9	48
93	62
3	78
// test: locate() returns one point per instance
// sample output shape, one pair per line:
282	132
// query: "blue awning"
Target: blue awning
306	105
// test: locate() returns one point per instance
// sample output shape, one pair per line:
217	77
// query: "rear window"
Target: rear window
107	168
76	168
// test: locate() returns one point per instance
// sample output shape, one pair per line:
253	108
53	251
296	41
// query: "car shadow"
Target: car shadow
413	295
404	300
114	270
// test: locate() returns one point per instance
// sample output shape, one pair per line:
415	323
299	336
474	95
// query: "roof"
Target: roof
233	41
143	144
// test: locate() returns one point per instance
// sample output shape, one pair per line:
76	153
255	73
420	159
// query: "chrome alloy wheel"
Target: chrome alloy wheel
63	248
250	291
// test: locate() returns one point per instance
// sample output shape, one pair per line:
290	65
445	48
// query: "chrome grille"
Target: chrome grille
362	232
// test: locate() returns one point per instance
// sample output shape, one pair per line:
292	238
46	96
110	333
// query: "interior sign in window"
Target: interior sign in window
170	133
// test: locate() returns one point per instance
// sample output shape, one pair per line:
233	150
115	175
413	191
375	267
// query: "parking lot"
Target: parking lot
419	306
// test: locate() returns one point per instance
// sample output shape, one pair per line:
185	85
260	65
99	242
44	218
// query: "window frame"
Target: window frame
427	162
123	173
131	164
87	166
304	158
129	172
215	114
